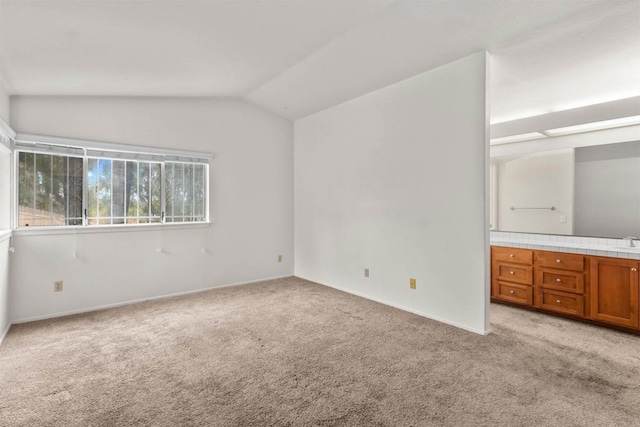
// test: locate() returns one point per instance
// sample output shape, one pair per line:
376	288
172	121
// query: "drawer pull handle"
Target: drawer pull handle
512	292
511	272
558	280
558	261
510	255
558	301
634	269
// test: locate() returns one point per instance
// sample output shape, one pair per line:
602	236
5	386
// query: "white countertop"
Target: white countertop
572	244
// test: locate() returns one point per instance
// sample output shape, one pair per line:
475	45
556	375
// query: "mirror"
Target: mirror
583	191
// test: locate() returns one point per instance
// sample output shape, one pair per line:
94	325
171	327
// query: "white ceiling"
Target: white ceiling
297	57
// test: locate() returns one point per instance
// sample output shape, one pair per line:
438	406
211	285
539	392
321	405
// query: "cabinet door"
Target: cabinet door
614	291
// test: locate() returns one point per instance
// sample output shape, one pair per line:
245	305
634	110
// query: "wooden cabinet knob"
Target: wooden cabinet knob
634	269
558	301
511	272
558	280
558	261
510	255
512	292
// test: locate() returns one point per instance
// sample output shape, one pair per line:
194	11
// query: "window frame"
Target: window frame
29	143
16	189
111	218
164	183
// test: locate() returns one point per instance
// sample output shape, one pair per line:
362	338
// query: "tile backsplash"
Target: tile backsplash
572	244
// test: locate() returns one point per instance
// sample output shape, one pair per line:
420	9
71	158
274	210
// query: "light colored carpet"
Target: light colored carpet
294	353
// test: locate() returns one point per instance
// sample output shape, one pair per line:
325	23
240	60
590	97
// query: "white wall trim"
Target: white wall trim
109	146
123	228
400	307
5	235
6	136
159	297
4	334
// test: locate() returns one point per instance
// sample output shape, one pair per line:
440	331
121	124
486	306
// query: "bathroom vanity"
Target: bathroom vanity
549	198
578	283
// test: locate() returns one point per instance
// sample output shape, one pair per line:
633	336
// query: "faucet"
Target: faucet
630	240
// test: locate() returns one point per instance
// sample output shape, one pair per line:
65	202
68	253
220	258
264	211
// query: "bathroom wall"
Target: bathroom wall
536	180
607	190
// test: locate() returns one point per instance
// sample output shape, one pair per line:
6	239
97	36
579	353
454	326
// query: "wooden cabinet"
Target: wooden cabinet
515	273
512	275
614	291
560	282
521	294
601	289
560	260
561	302
569	281
512	255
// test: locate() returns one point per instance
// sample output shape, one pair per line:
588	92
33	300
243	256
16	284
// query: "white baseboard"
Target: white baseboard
196	291
159	297
4	334
400	307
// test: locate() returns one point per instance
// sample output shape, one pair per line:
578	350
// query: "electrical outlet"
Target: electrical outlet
279	258
366	272
412	283
57	286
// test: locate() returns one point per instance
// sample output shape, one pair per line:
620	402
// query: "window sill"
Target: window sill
46	231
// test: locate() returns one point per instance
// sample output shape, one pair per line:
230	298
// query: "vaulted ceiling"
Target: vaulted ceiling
297	57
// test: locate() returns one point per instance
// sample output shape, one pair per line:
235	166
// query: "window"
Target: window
49	189
124	192
185	192
66	185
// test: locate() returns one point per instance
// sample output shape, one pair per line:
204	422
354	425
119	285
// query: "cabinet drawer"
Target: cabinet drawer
515	273
521	294
560	260
560	280
512	255
561	302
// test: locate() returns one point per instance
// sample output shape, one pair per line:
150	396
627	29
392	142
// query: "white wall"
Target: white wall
5	320
5	176
5	165
538	180
4	102
251	181
395	181
608	190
